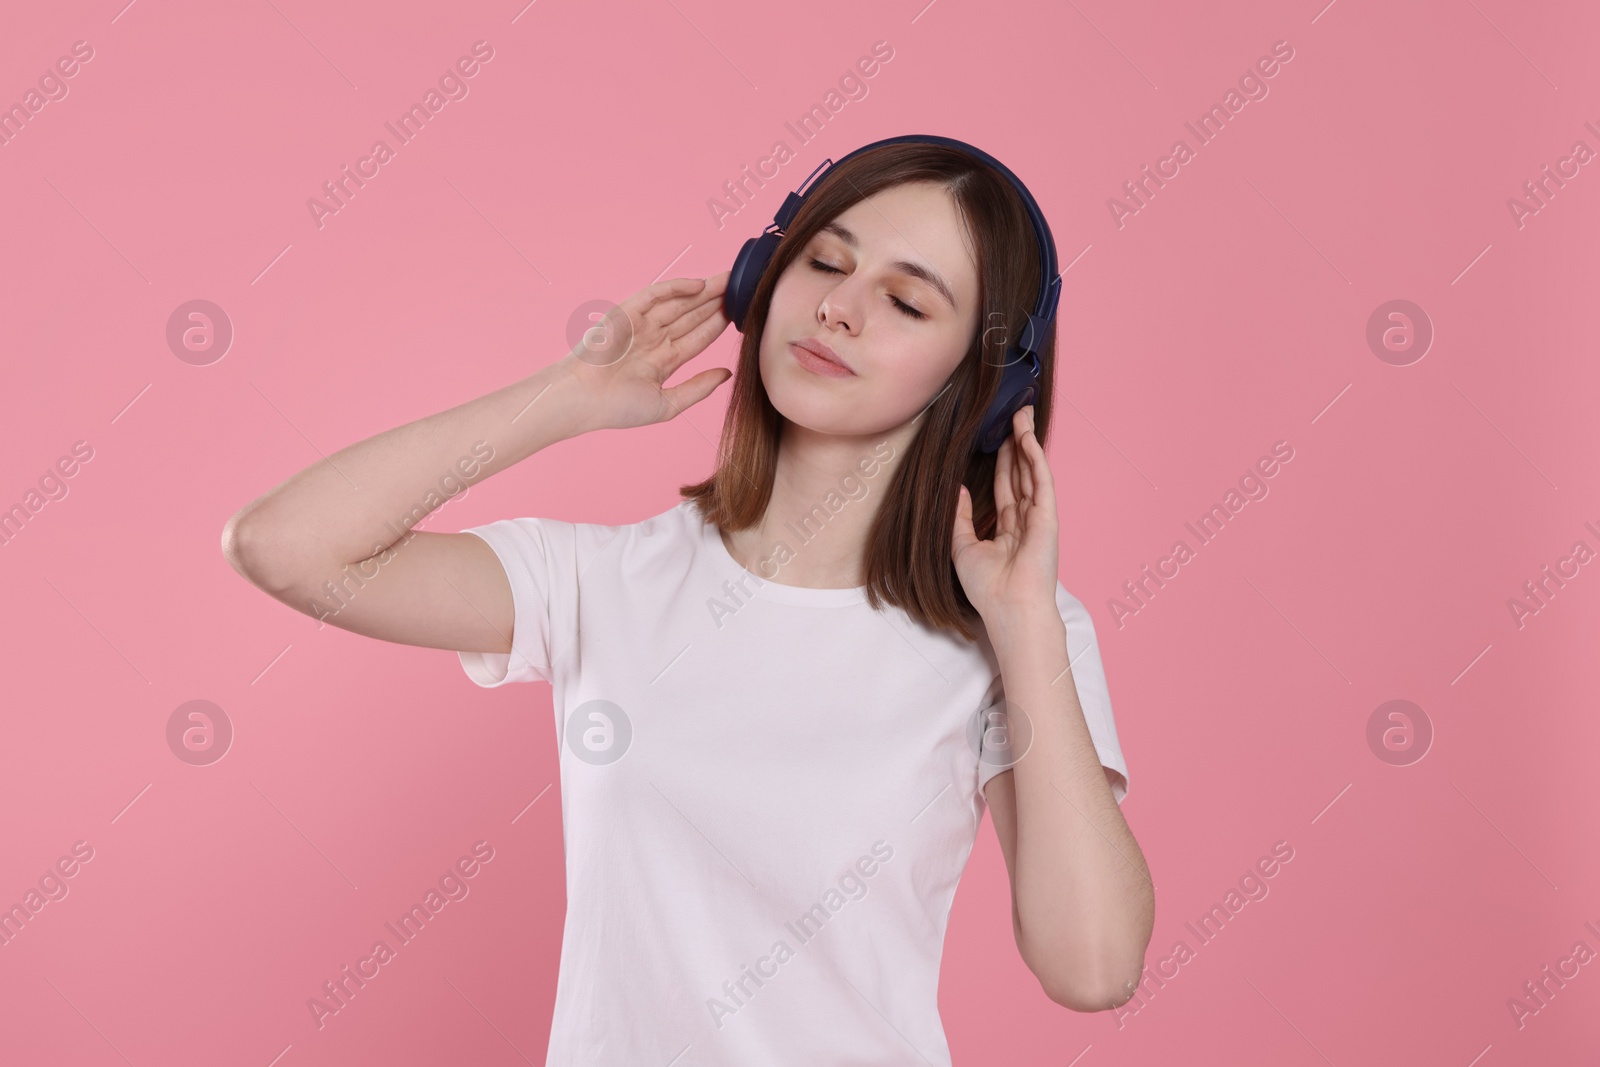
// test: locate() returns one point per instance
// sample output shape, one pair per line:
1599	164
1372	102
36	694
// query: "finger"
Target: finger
693	317
672	319
683	349
963	534
665	289
714	292
671	289
666	311
1043	481
688	394
1024	462
1004	495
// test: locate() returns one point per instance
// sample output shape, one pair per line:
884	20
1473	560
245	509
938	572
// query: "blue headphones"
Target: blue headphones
1018	383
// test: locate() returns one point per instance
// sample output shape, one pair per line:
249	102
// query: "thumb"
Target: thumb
687	394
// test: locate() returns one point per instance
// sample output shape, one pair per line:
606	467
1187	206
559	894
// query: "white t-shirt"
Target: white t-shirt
768	795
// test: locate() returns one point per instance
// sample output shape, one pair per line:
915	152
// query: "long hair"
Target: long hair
907	557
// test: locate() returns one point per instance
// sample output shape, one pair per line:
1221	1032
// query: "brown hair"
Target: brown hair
907	558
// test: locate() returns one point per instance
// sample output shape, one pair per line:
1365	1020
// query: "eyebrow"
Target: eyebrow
915	270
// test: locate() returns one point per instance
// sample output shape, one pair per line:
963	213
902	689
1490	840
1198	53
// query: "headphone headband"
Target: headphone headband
1018	383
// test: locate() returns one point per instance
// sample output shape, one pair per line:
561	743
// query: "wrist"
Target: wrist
1026	624
565	403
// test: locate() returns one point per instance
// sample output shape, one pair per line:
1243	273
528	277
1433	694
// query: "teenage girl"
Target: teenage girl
784	704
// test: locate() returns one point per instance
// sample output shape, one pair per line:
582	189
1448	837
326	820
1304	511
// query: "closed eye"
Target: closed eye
817	264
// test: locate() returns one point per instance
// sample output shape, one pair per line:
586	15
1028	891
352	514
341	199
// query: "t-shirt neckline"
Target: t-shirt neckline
764	588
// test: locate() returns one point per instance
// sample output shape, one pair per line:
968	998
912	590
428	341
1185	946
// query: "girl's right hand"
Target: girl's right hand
623	362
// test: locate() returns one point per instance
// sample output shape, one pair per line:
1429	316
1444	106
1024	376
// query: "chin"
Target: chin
805	400
806	412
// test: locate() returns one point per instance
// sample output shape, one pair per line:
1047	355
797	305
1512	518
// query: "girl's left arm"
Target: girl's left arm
1082	902
1083	905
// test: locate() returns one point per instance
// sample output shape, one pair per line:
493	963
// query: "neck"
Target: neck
826	491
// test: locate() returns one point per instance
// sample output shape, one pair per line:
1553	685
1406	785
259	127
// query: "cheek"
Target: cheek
790	296
919	371
789	315
905	381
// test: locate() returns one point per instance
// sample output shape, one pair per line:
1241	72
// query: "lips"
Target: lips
822	351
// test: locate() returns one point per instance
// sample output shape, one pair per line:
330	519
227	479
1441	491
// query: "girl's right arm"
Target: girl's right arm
334	541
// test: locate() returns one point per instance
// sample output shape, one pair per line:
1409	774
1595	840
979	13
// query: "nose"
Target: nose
837	308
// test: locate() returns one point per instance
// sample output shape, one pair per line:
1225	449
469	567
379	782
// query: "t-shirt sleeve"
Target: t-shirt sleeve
538	556
1089	676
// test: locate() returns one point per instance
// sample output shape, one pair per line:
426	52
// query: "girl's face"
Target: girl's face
891	286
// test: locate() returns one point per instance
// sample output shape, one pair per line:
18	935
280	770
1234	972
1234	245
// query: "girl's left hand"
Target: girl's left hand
1018	567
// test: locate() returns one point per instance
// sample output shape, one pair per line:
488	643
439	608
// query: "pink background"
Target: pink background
1228	314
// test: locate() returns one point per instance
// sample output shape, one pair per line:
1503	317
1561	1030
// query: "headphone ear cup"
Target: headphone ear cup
1017	390
748	267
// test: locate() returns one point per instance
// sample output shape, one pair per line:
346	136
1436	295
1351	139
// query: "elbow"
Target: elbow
1091	997
1102	990
233	549
238	543
1093	965
1087	979
243	546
